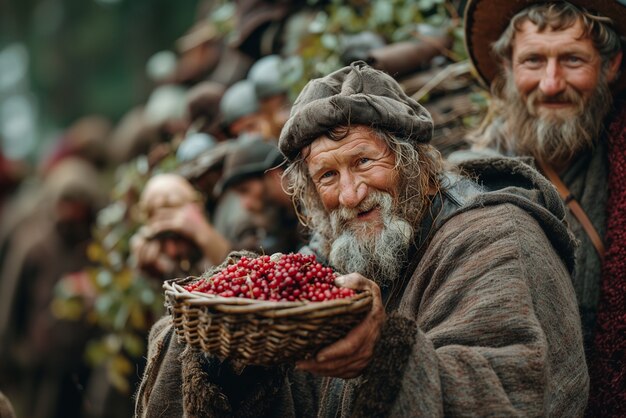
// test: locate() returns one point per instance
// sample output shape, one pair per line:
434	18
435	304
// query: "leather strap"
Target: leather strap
574	207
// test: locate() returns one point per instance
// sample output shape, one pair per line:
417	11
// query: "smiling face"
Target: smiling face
347	171
356	181
555	92
556	72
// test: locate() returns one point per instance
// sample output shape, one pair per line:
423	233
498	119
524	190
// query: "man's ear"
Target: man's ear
613	68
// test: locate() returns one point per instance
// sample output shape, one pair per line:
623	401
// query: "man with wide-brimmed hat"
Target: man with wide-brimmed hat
464	279
556	73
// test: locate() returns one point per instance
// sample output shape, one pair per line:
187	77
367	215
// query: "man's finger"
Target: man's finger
165	225
353	281
346	346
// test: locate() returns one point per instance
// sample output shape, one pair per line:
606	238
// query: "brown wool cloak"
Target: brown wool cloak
487	325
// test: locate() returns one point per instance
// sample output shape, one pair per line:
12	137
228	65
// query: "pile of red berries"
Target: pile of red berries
282	277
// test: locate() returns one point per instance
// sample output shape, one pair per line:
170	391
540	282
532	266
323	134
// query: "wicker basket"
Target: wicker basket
260	332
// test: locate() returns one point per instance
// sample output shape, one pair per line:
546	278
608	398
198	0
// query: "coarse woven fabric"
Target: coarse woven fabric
608	375
354	95
486	325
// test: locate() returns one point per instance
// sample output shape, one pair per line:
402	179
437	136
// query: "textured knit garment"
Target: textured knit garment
485	323
586	179
608	364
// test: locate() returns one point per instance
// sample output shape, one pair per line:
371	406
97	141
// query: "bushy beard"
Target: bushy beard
555	136
358	247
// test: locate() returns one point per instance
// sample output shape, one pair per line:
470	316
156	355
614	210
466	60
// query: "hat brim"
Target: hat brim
248	171
485	20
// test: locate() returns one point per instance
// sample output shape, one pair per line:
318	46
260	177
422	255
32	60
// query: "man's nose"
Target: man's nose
248	203
352	192
552	82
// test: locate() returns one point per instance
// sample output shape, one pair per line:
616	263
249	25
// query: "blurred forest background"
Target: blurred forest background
62	59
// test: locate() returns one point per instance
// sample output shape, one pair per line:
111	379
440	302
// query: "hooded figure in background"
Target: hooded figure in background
473	312
253	170
39	351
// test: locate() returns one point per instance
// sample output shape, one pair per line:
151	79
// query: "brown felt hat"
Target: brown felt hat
354	95
485	20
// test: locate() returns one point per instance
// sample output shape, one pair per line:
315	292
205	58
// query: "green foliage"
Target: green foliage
320	44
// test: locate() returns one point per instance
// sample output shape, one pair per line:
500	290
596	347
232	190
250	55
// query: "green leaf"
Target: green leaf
121	317
330	41
382	12
319	24
134	345
96	352
104	278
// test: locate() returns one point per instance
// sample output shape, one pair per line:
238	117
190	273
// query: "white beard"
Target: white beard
379	256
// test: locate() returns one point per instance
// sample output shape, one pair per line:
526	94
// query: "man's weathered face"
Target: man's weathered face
346	172
357	182
556	93
555	72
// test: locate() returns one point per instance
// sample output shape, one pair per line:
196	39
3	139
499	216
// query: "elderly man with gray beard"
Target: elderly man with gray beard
557	79
473	309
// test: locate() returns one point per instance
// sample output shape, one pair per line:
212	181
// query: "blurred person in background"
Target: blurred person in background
177	240
203	107
87	138
241	111
204	55
254	169
272	77
149	129
41	356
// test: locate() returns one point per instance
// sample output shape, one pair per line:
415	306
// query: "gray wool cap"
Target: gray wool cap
239	100
353	95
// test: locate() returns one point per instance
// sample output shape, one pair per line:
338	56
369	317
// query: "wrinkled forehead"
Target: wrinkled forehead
345	140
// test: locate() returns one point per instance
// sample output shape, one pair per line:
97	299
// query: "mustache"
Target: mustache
342	216
569	95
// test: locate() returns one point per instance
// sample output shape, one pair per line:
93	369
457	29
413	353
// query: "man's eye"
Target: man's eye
533	59
571	59
364	160
327	175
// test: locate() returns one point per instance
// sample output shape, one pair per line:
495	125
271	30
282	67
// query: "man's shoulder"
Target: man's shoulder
494	187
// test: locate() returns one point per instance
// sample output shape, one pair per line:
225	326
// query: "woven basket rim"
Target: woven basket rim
176	293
